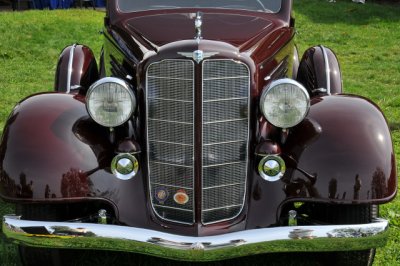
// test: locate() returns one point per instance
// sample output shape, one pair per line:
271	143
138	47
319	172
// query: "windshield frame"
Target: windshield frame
276	5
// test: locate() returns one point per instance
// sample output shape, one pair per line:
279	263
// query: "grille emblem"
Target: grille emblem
161	195
181	197
198	55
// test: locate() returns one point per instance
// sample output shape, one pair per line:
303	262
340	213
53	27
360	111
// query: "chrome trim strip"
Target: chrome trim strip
169	185
154	77
237	77
177	122
168	142
327	70
225	142
221	164
204	248
172	164
224	207
225	185
172	208
226	99
169	100
70	65
225	121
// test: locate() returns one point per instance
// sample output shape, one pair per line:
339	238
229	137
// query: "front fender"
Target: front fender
350	157
76	67
51	151
39	147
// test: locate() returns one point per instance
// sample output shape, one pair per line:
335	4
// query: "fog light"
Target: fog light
271	168
124	166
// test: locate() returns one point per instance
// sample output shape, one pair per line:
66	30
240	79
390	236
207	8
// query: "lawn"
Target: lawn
364	37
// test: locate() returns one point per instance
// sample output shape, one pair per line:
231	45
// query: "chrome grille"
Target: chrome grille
225	130
225	138
170	108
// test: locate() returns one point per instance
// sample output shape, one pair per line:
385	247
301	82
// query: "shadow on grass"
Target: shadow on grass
345	11
92	258
394	126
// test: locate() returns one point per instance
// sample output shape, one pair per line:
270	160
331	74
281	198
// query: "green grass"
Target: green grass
364	37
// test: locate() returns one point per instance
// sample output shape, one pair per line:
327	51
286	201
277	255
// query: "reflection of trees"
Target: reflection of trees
67	231
378	184
12	189
75	183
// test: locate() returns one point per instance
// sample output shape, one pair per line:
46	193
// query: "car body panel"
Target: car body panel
63	160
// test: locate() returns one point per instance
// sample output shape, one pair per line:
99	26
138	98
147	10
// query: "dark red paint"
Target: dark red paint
84	68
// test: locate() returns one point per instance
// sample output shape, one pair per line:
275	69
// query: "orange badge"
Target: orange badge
181	197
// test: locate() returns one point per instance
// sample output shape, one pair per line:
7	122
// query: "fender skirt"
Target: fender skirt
342	153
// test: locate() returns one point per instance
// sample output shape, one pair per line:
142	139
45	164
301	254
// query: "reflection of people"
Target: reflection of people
25	190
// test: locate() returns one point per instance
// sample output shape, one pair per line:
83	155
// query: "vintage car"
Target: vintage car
200	136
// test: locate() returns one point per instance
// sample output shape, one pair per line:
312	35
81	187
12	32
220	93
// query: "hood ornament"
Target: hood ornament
198	55
198	22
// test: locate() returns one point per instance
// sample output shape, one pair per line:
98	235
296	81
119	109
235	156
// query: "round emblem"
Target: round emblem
161	194
181	197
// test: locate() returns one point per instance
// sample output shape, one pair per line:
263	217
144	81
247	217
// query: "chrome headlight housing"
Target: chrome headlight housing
285	103
110	102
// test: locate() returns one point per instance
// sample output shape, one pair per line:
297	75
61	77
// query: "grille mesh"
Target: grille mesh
170	128
170	110
225	138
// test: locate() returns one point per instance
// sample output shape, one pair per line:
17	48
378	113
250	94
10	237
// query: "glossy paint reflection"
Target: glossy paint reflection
355	160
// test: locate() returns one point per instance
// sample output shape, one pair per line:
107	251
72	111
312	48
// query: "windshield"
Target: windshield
271	6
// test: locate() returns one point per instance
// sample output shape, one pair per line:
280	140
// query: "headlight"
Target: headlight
110	102
284	103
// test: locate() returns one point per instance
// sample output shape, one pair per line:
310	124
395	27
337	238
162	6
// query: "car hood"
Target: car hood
161	29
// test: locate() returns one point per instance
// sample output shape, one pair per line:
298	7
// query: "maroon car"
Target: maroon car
199	137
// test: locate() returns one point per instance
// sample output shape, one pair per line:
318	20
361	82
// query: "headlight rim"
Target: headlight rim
279	82
120	82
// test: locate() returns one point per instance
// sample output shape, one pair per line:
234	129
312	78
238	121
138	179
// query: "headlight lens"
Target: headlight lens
285	103
110	102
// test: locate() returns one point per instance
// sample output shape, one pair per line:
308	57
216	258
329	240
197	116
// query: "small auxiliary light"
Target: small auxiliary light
272	168
124	166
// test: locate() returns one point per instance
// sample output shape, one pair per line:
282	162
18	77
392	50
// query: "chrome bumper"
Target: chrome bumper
205	248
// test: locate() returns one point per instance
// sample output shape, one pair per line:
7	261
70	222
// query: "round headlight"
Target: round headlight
110	102
285	103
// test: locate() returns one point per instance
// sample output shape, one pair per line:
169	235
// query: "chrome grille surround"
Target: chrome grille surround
225	136
170	136
170	104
